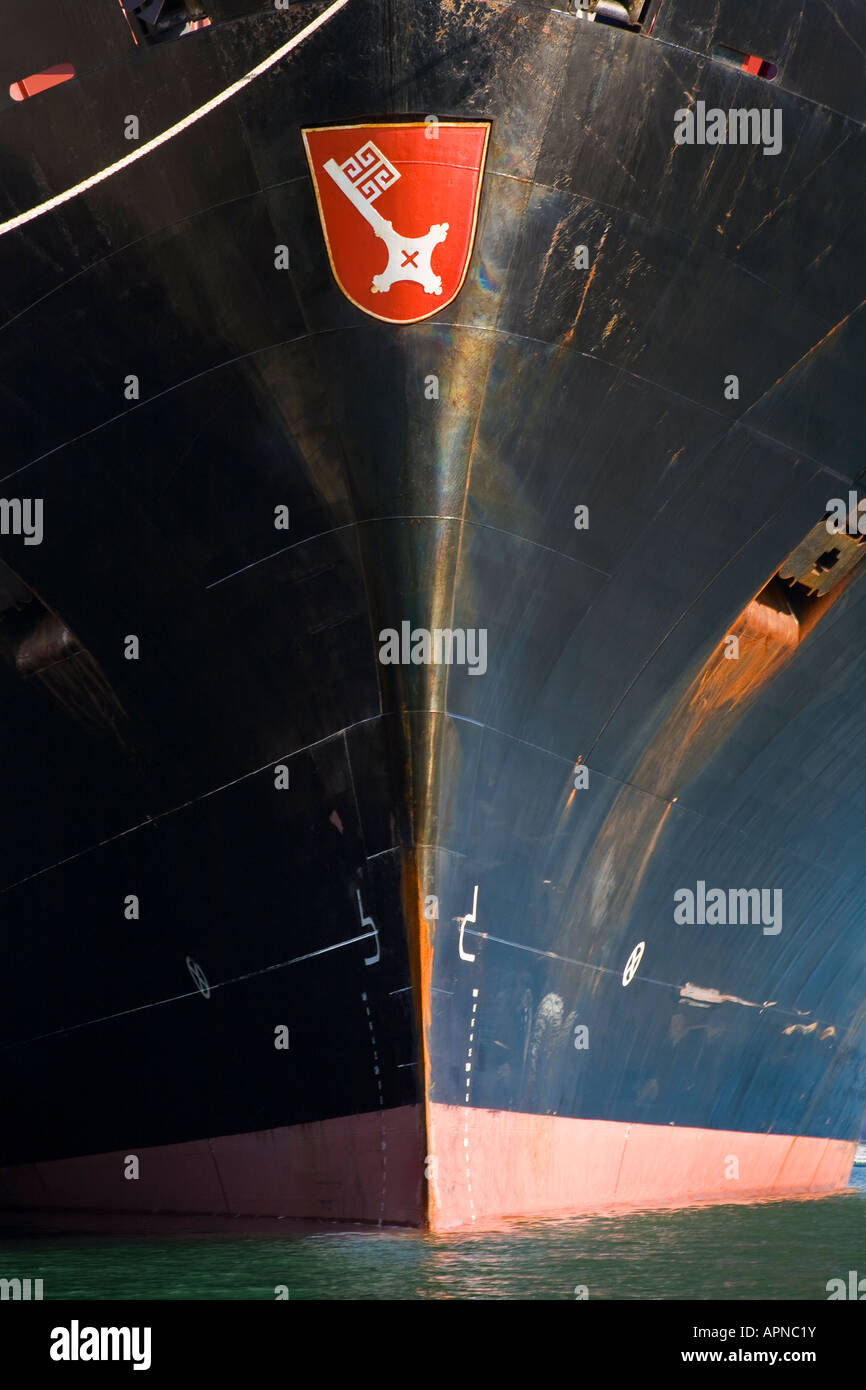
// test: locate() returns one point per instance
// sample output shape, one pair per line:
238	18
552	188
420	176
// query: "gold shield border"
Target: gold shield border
398	125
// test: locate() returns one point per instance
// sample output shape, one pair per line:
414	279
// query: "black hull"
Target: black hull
558	386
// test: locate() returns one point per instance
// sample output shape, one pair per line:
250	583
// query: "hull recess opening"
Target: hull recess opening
156	21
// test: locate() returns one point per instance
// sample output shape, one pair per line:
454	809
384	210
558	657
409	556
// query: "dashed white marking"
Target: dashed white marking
383	1142
179	126
468	1065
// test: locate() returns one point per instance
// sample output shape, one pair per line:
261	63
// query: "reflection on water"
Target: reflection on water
766	1251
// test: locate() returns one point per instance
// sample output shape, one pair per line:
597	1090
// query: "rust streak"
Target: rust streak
806	355
566	342
420	940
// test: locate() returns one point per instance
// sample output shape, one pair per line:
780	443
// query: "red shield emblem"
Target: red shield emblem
398	205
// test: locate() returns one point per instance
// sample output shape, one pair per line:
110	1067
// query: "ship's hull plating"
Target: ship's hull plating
286	1022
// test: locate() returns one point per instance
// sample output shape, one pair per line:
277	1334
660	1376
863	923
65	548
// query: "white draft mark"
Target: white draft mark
368	922
377	1072
472	1022
470	917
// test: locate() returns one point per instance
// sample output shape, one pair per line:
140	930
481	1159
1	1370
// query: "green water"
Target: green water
771	1250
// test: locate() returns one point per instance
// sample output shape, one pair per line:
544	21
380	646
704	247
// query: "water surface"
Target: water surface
770	1250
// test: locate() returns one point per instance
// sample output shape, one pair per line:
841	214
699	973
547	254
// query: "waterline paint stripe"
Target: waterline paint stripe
176	129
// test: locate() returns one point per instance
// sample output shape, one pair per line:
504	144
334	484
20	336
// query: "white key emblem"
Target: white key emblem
362	177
